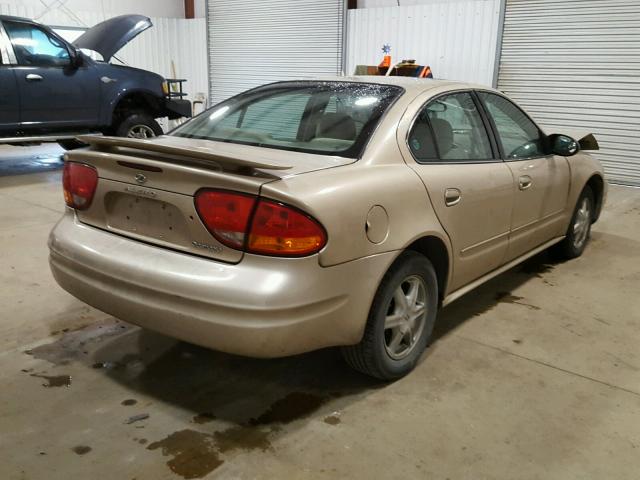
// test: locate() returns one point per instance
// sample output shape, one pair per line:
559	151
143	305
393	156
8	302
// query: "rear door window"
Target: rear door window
450	128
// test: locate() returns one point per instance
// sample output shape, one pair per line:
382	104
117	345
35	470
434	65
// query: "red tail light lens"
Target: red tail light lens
268	228
281	230
79	182
226	215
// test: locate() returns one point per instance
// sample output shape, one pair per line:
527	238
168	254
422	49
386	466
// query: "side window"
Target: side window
35	47
518	135
457	128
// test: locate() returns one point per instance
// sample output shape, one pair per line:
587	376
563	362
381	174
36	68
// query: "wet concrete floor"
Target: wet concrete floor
534	375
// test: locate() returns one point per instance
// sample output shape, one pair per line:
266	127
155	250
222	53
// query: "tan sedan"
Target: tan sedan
301	215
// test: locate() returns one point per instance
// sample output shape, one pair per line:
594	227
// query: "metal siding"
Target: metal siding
252	43
457	38
576	64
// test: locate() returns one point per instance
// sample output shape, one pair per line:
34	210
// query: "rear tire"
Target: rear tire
138	125
397	330
579	229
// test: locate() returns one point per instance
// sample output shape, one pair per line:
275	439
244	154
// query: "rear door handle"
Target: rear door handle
32	77
524	182
452	196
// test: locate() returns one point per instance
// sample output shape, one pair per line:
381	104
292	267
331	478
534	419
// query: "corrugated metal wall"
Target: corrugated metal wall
576	64
457	38
252	43
180	41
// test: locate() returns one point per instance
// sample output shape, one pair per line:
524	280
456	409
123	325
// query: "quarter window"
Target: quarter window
518	135
455	124
36	47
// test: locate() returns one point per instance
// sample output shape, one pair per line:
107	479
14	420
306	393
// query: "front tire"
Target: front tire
138	125
400	321
579	229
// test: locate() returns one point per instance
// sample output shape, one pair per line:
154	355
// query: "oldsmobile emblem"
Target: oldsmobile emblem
140	178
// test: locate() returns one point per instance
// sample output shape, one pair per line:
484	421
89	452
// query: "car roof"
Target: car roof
410	84
13	18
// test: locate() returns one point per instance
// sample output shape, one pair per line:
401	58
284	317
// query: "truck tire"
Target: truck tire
138	125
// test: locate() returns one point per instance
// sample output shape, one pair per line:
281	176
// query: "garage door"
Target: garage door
255	42
576	63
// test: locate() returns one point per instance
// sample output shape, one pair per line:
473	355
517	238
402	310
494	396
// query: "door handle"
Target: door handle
32	77
452	196
524	182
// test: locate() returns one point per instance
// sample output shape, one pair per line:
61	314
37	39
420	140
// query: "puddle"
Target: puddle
205	417
76	342
241	437
537	268
54	380
332	419
506	297
292	407
194	453
81	450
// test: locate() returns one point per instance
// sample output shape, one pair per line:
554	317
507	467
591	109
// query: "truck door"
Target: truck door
9	104
53	93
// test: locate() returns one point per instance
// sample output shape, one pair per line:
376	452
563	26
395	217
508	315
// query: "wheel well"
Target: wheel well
436	251
137	101
596	183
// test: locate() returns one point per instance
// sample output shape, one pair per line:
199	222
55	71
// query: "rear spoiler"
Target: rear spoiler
194	152
586	140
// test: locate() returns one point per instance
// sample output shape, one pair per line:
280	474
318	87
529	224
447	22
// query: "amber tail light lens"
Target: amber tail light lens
278	229
79	182
260	226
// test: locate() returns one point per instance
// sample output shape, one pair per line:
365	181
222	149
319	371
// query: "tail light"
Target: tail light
79	182
226	215
258	225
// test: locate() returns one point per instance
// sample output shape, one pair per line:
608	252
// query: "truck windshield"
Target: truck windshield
332	118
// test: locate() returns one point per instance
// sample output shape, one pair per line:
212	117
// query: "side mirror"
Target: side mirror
76	56
564	145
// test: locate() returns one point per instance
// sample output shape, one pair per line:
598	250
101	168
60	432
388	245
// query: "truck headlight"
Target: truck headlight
165	88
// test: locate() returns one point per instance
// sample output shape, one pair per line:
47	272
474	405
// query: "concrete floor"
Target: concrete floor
542	383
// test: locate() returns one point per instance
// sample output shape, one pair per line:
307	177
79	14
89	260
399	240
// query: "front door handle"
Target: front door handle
32	77
524	182
452	196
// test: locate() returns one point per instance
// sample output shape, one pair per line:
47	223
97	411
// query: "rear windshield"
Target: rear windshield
333	118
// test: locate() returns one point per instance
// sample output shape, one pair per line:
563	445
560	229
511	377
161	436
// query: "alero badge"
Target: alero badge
140	178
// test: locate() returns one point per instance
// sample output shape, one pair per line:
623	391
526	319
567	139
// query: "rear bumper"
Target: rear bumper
261	307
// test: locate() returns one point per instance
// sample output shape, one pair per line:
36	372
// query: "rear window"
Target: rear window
333	118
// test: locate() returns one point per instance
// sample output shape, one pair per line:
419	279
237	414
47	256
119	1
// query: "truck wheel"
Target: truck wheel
138	125
71	144
400	321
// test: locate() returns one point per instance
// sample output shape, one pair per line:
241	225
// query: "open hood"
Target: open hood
108	37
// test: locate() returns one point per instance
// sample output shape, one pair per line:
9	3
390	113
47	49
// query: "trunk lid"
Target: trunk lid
108	37
146	188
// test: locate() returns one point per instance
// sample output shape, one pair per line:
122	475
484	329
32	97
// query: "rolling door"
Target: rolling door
576	64
252	43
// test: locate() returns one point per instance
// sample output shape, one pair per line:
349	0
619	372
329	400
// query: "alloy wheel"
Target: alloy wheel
406	316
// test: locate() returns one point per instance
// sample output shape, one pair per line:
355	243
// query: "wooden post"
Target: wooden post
189	9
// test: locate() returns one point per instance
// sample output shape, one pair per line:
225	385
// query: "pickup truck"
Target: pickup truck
51	90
